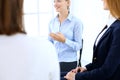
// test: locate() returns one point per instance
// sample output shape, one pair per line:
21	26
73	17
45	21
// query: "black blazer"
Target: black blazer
106	57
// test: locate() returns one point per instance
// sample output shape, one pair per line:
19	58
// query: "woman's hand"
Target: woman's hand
80	69
58	37
70	75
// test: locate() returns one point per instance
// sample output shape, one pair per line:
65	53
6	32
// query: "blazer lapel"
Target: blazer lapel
98	36
104	35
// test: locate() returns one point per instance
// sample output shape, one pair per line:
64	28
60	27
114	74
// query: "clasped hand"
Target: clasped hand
71	75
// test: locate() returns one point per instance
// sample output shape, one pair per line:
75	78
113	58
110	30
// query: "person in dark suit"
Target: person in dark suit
106	51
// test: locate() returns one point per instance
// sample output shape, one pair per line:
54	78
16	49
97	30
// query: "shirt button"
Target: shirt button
94	58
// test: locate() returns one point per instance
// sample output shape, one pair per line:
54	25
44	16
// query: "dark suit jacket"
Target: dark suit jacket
106	57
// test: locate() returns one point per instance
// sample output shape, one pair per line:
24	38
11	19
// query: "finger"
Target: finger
54	36
59	33
66	77
74	70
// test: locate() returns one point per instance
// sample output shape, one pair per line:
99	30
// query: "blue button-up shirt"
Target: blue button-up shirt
72	29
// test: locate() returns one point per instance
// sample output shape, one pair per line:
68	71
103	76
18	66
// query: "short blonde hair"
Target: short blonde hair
114	7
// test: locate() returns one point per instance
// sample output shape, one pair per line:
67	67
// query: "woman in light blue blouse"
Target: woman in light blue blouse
65	32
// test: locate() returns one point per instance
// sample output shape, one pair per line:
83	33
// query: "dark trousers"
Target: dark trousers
62	74
67	66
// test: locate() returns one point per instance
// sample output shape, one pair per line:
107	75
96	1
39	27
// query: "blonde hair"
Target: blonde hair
114	7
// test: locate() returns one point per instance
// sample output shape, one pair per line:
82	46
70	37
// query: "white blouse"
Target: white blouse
27	58
109	22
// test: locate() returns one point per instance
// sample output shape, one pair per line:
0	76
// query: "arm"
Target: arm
111	64
76	43
49	31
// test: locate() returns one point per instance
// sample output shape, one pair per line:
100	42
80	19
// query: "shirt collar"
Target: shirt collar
68	18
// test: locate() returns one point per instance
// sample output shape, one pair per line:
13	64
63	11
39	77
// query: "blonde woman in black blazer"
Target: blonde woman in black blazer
106	52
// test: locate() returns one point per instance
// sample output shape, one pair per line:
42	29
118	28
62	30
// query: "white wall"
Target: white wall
94	18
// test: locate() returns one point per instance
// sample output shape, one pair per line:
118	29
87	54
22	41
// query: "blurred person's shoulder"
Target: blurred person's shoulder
40	40
33	41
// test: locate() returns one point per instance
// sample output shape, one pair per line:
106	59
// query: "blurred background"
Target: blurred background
38	13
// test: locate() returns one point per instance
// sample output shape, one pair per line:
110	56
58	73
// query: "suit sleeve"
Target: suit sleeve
111	64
